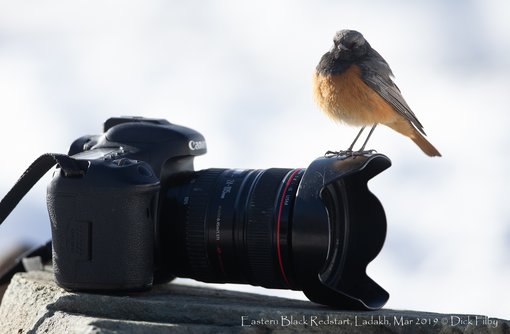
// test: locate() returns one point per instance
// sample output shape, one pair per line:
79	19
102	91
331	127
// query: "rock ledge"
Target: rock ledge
33	303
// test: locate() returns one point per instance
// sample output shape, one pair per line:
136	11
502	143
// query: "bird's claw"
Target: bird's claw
348	153
330	154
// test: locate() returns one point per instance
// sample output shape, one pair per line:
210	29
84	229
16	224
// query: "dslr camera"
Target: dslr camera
140	214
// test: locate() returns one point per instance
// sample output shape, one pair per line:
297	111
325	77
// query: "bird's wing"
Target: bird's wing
377	74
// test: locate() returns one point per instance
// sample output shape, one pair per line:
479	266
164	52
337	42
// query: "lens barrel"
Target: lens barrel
234	225
313	229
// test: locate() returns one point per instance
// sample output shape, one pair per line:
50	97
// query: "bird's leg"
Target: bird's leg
362	149
347	152
356	139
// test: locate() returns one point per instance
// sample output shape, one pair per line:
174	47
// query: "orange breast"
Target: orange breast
345	97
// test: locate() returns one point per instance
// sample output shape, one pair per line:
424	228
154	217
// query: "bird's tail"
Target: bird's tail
425	145
407	129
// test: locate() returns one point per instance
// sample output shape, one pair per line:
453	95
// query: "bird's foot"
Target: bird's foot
348	153
364	152
330	154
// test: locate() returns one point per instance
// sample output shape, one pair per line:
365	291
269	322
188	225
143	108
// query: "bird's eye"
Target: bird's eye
351	45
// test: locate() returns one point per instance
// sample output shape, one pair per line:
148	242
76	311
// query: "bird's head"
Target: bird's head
349	45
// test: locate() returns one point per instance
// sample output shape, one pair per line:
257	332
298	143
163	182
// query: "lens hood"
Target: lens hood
338	219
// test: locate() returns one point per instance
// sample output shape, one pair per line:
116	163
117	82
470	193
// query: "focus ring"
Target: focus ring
260	228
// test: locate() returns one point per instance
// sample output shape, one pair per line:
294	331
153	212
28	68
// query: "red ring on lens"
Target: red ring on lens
278	226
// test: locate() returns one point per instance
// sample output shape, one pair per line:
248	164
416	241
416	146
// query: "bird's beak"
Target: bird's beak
342	47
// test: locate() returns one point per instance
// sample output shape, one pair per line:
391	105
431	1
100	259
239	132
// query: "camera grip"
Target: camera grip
102	226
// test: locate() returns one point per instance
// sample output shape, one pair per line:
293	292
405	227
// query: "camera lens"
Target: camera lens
313	229
231	225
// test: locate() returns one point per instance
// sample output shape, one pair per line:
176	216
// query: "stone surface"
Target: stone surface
33	303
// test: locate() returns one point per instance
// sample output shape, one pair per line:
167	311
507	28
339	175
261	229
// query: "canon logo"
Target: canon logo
197	145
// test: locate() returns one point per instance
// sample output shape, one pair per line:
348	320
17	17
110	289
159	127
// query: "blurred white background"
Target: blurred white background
240	73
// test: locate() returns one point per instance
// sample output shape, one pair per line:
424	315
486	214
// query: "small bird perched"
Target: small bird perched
352	83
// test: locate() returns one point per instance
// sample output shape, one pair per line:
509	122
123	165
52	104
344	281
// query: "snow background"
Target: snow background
240	73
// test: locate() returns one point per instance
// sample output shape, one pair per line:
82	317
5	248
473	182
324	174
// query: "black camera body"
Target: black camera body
141	214
103	224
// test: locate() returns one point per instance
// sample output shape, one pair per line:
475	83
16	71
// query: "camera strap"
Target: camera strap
70	167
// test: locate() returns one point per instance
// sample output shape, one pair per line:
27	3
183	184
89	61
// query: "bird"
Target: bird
353	84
